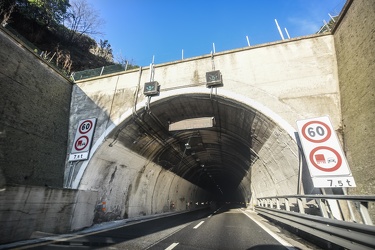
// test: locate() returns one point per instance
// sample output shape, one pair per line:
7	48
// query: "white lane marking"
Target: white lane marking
172	246
275	236
200	223
209	216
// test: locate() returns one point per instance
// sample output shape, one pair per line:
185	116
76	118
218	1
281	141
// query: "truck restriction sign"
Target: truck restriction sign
82	140
326	161
81	143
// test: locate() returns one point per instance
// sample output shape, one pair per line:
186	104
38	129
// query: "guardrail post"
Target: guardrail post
364	213
278	203
300	206
286	202
323	208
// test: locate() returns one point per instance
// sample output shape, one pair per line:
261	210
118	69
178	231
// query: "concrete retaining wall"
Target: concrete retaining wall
354	42
25	209
34	117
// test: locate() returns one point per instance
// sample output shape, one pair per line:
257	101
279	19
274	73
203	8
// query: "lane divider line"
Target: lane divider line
200	223
172	246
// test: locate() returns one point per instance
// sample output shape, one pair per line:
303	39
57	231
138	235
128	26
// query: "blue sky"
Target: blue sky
140	29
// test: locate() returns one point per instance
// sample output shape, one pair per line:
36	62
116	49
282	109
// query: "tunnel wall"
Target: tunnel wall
26	210
276	170
130	186
34	115
354	41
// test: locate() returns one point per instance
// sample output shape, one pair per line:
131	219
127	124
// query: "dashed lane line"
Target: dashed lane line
172	246
200	223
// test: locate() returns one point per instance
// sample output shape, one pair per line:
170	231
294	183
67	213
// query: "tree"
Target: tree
6	9
82	19
120	59
47	11
103	49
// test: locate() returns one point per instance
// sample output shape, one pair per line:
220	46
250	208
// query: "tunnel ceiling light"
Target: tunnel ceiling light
194	123
214	79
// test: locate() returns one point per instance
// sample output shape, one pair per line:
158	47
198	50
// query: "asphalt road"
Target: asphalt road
226	228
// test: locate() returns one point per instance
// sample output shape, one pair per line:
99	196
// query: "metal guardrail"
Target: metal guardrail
313	214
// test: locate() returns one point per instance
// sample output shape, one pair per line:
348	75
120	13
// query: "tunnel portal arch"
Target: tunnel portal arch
140	167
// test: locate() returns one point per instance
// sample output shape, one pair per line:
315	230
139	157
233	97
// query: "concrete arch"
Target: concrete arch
195	90
253	147
149	188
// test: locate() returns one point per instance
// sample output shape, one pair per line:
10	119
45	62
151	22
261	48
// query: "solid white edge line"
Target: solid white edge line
275	236
200	223
172	246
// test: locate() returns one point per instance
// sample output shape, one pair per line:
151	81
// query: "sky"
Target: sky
166	30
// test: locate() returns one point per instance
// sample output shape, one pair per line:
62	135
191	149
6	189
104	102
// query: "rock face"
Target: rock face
354	39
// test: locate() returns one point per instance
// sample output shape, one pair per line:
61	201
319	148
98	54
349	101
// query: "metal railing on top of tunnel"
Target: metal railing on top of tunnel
351	227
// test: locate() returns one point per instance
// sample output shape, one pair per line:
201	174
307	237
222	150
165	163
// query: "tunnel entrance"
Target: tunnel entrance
140	167
217	159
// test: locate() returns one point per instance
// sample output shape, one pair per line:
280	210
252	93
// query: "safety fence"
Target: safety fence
105	70
339	219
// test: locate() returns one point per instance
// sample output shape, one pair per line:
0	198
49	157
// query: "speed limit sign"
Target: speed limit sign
82	140
325	158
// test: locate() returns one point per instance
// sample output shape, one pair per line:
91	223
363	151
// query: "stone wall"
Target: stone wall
34	117
354	41
26	210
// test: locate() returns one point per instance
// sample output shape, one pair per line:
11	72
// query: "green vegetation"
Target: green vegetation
62	30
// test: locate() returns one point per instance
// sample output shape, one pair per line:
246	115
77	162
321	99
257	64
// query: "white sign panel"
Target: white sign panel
194	123
82	140
325	158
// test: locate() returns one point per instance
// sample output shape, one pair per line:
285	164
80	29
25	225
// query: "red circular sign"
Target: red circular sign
325	138
81	143
85	127
334	168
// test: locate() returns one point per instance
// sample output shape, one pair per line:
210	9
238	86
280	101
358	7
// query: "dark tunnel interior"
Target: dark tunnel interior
215	158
